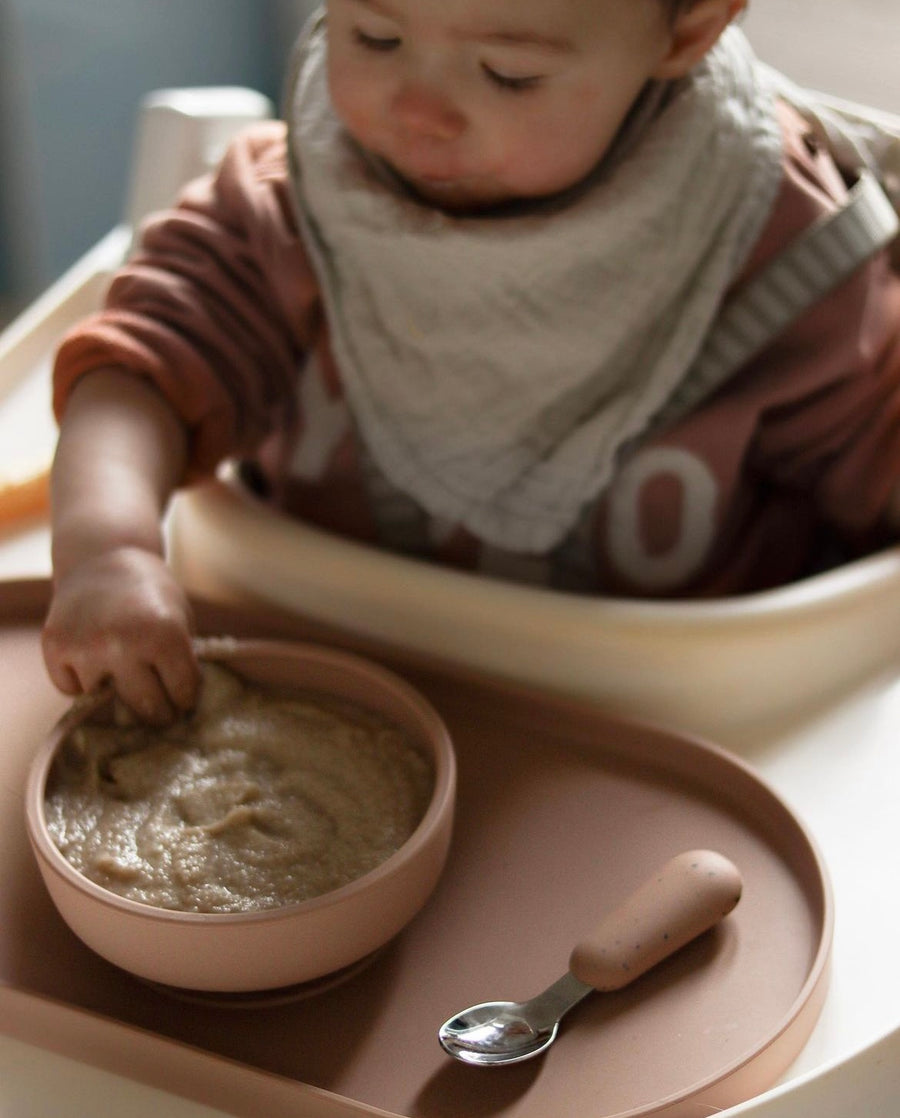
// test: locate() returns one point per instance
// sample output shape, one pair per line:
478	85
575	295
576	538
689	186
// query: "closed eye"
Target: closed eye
508	82
374	42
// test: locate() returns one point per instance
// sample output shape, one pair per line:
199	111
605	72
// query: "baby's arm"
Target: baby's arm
192	359
117	612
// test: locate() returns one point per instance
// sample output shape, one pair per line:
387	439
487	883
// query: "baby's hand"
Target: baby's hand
121	617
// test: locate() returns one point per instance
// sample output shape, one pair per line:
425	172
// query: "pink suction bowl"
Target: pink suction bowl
274	948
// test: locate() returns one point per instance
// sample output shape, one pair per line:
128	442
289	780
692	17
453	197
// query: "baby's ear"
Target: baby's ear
694	30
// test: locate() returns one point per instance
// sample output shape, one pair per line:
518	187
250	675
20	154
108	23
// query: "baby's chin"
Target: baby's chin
459	196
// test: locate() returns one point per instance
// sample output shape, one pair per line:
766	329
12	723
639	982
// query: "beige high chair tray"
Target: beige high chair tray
711	667
561	811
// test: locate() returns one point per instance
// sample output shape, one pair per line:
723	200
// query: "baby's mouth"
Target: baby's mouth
456	192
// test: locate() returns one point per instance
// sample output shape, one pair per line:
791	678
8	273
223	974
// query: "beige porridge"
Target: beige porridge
259	799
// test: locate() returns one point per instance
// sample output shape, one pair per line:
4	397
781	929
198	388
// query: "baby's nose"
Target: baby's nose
426	112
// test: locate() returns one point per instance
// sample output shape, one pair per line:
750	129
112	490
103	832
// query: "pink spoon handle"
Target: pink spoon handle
686	897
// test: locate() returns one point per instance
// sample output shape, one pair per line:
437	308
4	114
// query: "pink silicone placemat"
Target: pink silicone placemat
561	812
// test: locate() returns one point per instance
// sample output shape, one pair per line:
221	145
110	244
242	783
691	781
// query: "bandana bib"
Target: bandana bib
497	364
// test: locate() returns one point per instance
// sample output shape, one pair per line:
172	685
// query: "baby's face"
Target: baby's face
477	102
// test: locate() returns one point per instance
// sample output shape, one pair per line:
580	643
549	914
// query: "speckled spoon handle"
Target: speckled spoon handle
686	897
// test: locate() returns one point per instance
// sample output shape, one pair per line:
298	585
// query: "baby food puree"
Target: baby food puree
256	800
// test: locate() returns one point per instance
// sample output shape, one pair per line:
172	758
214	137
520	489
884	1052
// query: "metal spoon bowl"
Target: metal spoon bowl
509	1032
685	898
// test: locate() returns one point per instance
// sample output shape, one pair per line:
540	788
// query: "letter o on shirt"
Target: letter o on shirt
693	527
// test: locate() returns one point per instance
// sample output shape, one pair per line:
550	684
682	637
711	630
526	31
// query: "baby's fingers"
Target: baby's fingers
141	690
72	669
62	675
158	678
179	675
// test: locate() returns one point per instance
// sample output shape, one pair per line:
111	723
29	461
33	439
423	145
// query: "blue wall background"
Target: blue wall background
72	74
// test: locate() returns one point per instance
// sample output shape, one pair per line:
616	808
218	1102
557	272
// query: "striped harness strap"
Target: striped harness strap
804	272
812	265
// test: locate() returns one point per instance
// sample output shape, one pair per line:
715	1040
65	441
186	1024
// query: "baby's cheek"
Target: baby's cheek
352	101
547	159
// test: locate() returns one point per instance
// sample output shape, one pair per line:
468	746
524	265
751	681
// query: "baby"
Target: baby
558	290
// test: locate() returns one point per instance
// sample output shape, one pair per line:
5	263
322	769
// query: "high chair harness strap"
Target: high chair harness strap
812	265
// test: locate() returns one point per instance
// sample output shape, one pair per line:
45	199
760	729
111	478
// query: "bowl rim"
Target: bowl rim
226	649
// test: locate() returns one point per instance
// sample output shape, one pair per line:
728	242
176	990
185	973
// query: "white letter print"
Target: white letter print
699	490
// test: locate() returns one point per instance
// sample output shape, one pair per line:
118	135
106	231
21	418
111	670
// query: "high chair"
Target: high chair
802	683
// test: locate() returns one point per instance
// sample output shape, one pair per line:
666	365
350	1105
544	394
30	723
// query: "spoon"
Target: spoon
686	897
